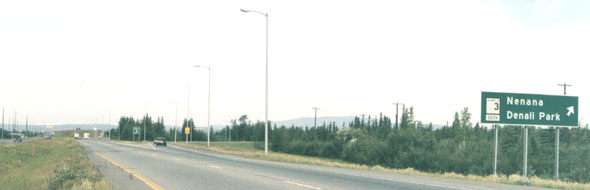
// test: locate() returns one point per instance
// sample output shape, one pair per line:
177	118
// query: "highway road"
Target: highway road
180	168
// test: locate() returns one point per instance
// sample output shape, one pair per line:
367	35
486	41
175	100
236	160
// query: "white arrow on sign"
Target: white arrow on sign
570	110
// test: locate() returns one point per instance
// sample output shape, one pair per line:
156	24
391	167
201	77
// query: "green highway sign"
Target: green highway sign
529	109
136	130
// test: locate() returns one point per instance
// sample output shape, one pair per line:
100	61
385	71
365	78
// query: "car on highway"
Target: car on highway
17	138
160	141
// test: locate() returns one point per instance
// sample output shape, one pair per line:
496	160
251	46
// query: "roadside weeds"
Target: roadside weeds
58	163
248	150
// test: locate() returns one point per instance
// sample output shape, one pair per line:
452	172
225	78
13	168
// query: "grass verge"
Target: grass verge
248	150
58	163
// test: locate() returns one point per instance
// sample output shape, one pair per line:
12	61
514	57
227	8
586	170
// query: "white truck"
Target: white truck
86	136
76	135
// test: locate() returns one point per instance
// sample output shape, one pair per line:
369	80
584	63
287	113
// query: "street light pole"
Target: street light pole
119	134
208	105
110	124
176	121
188	108
266	89
144	119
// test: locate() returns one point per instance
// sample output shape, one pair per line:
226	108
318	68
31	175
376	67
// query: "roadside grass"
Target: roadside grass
59	163
249	150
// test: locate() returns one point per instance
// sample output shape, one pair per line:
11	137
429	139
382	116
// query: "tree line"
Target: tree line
124	131
462	147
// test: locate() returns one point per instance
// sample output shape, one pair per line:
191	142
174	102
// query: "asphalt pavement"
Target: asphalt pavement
144	166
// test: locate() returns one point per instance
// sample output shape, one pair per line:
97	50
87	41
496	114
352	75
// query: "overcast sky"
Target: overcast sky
65	62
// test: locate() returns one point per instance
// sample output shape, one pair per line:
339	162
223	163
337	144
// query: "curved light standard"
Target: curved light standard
208	104
266	90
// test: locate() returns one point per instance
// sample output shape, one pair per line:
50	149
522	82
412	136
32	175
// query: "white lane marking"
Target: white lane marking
177	159
132	145
177	147
303	185
215	167
402	181
152	146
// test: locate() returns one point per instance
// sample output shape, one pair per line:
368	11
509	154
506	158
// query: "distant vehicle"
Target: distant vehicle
160	141
17	138
86	136
77	136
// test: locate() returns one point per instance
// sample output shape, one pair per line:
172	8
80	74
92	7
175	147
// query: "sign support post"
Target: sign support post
186	132
136	131
496	151
526	147
557	154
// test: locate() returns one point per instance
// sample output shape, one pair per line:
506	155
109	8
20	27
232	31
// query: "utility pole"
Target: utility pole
176	121
565	85
2	122
119	135
363	120
110	124
14	128
27	125
209	108
315	117
8	124
396	112
145	119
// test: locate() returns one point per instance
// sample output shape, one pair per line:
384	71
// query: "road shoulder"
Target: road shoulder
120	178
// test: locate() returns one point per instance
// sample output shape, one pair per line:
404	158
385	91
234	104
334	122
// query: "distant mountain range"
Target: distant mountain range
309	121
66	127
302	121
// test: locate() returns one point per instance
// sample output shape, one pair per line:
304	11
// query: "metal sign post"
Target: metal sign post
526	150
557	154
187	131
496	152
136	131
529	109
